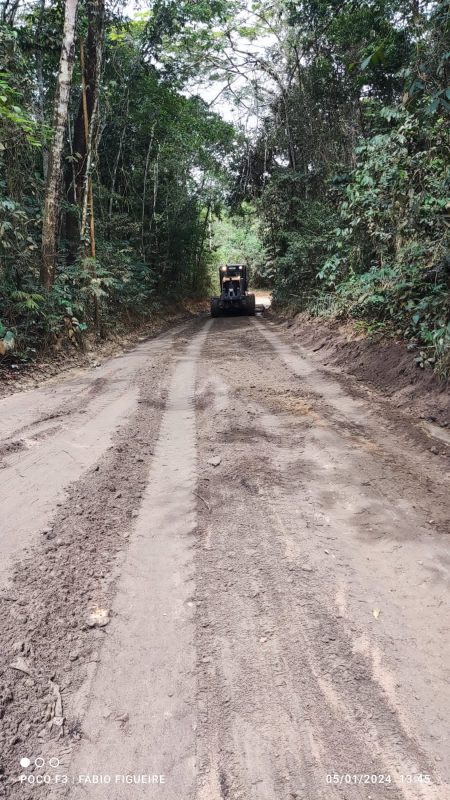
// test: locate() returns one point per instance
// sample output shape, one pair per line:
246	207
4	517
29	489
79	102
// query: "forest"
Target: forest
139	147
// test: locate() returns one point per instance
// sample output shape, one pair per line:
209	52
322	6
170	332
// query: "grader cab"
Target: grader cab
234	297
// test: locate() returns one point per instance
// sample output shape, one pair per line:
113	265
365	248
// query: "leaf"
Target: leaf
364	64
375	58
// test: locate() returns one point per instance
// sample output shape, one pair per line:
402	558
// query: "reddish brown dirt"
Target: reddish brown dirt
385	365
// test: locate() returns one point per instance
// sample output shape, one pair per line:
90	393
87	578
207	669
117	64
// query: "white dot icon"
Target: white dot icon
25	762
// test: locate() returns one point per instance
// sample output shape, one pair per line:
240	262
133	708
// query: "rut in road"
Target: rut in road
296	684
53	435
141	718
271	509
75	551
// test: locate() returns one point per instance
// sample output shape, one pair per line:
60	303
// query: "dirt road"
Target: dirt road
225	575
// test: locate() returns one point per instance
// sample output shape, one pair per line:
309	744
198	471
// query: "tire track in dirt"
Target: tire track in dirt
46	457
44	612
142	718
347	398
291	686
308	522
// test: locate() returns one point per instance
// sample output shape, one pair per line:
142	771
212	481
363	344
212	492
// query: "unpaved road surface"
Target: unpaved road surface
225	575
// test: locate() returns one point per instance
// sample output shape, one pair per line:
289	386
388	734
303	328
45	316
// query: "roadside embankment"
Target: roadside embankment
384	365
17	375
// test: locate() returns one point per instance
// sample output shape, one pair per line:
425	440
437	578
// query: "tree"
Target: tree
54	172
78	174
348	165
341	149
151	157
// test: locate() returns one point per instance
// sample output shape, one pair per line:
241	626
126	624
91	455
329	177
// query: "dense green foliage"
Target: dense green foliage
350	170
389	259
236	239
158	169
336	175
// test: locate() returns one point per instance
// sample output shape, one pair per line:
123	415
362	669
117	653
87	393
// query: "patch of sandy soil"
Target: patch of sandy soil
263	297
322	575
245	590
56	606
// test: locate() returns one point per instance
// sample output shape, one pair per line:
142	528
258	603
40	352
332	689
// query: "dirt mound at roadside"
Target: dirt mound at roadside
383	364
15	376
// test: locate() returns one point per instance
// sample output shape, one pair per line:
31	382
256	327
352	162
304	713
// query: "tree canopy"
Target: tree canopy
121	184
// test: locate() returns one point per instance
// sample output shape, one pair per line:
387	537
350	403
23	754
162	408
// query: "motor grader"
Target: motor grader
234	296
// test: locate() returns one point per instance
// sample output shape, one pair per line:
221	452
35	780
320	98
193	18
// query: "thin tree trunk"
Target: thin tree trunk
61	105
87	183
40	87
77	187
155	189
144	190
117	159
88	195
202	240
8	12
91	81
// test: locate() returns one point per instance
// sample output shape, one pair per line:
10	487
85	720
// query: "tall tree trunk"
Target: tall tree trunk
117	159
40	88
77	182
144	191
199	253
87	206
62	95
8	12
